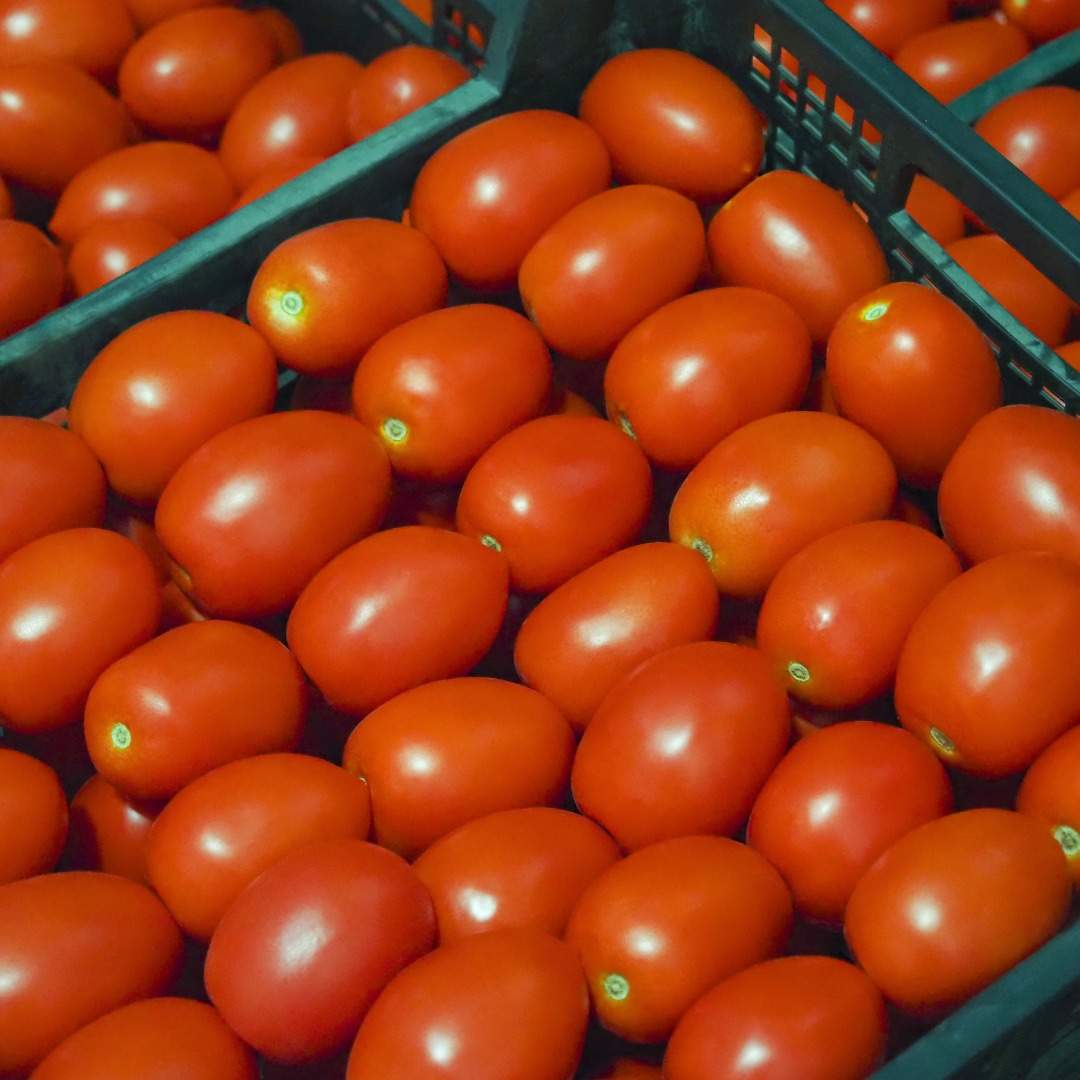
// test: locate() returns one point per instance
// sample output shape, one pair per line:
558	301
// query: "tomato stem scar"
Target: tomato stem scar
616	987
624	423
1068	838
799	672
120	736
873	312
489	541
942	741
395	430
292	303
702	548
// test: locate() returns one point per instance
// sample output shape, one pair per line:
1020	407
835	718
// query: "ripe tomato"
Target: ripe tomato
441	388
50	481
660	927
580	282
323	297
149	12
5	200
670	119
299	109
73	947
1042	20
987	675
276	176
283	30
401	608
33	816
886	24
682	745
773	486
698	368
954	904
260	508
836	615
113	247
1049	794
793	236
486	196
306	948
70	604
110	830
1070	353
534	495
31	275
566	402
940	213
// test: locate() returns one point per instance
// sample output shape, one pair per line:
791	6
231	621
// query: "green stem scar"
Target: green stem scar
616	987
1068	838
702	548
942	741
120	736
799	672
489	541
624	423
292	303
873	312
394	430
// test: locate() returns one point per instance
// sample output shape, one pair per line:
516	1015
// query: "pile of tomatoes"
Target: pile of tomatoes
437	725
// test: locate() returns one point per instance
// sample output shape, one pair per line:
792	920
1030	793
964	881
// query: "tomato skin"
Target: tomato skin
888	25
33	816
486	196
110	831
940	213
283	30
148	13
1042	20
772	487
749	357
1048	794
305	949
76	945
441	388
1070	353
31	276
110	249
260	508
954	904
5	200
276	176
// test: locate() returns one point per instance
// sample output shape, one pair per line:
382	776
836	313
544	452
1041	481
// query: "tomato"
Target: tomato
110	830
772	487
1070	353
566	402
793	236
5	200
259	509
31	275
50	481
1042	20
534	494
940	213
954	904
441	388
276	176
149	12
698	368
73	947
299	109
581	282
90	34
887	24
323	297
949	60
111	248
624	1068
1049	794
1013	486
660	927
836	615
283	30
181	187
401	608
305	949
33	816
486	196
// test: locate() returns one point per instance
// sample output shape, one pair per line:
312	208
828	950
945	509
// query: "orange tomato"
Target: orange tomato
940	213
112	247
275	177
33	816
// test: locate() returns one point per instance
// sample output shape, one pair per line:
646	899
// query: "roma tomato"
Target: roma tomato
940	213
276	176
597	627
31	275
486	196
1049	794
71	603
150	12
307	947
259	509
110	249
665	924
448	752
987	675
670	119
791	235
534	494
73	947
441	388
508	1003
324	296
887	24
401	608
773	486
110	831
1042	20
283	30
513	869
580	282
698	368
682	745
954	904
33	816
836	615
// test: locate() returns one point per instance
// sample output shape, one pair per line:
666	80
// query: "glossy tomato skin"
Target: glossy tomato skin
306	948
987	676
31	275
772	487
259	509
441	388
401	608
888	25
110	249
110	831
954	904
76	945
33	816
940	213
283	30
1049	794
1042	20
486	196
276	176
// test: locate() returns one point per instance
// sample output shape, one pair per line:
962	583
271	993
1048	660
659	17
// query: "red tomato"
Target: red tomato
793	236
1042	20
260	508
152	1040
534	495
5	200
565	402
90	34
836	615
73	947
441	388
936	210
509	1003
33	816
276	176
887	24
988	675
299	109
304	951
1070	353
31	274
283	30
401	608
110	831
772	487
149	12
954	904
1050	795
682	745
486	196
113	247
698	368
663	925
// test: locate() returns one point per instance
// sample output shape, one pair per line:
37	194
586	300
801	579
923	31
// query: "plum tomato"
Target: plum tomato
887	24
109	831
31	275
33	816
1049	794
111	248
